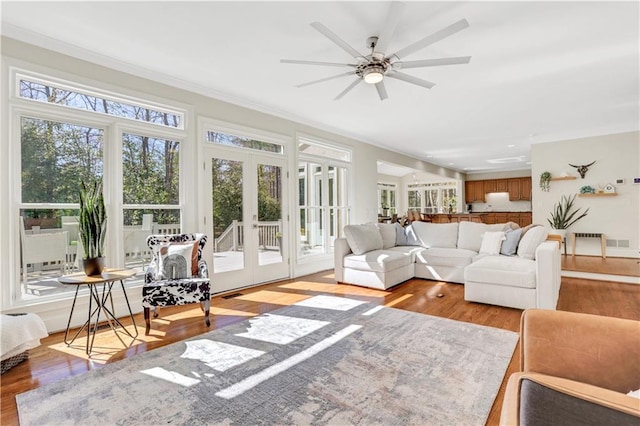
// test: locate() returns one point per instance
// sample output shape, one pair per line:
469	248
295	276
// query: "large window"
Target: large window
323	201
432	198
68	135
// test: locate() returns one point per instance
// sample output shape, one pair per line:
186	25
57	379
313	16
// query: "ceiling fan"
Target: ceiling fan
373	68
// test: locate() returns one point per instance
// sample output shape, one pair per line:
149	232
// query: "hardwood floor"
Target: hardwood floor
596	264
53	361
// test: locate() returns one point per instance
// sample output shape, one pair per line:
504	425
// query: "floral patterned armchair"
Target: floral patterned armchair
177	275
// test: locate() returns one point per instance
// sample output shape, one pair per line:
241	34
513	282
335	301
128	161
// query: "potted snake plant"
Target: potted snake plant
564	214
92	227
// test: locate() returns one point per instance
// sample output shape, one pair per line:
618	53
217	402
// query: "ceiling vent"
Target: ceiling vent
505	160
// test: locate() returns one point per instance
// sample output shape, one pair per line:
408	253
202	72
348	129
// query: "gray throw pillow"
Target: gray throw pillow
412	238
401	237
510	244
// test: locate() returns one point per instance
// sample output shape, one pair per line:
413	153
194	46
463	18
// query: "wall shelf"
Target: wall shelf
564	178
601	194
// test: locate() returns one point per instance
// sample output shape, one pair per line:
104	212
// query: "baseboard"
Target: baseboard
601	277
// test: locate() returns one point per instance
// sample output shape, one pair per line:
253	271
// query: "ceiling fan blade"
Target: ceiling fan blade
382	91
395	11
432	62
329	64
411	79
326	79
348	89
430	39
337	40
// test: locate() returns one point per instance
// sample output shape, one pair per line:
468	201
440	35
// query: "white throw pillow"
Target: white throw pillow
530	242
363	238
440	235
178	260
388	234
491	242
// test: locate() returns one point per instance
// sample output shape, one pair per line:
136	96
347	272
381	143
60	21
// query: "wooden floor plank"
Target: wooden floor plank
52	361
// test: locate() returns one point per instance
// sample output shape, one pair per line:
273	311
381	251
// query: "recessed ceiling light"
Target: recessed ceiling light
510	146
429	156
451	164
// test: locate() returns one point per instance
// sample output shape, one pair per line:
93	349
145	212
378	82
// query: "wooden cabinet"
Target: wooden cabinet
474	191
489	186
521	218
519	189
525	188
525	219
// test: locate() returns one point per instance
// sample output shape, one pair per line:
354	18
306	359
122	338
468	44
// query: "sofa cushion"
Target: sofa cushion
530	241
502	270
470	235
458	258
491	242
377	261
388	234
363	238
408	251
440	235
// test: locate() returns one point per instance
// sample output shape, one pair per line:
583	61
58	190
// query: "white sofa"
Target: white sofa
384	255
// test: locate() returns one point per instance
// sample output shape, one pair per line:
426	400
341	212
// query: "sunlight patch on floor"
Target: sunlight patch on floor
273	297
398	300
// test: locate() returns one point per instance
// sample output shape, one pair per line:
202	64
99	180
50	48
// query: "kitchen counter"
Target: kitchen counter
521	218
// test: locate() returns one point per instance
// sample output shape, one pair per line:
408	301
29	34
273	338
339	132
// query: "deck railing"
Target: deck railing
232	238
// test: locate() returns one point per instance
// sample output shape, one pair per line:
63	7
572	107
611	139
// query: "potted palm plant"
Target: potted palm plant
564	215
92	227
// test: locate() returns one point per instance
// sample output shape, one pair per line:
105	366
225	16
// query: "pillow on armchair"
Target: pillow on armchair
178	260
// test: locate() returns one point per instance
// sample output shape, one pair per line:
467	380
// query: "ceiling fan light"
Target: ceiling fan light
373	75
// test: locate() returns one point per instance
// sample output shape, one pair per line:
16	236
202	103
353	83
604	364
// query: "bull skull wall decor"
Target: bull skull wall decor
583	169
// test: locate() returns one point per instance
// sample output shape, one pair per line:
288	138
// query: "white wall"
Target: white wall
617	156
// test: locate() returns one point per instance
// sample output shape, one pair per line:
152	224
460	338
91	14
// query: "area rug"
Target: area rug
325	360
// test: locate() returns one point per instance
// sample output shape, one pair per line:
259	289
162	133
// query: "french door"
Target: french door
246	218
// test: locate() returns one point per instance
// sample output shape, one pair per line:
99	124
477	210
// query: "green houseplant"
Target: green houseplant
92	226
564	214
545	180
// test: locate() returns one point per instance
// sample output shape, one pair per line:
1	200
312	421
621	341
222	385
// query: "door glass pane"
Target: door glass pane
269	214
228	231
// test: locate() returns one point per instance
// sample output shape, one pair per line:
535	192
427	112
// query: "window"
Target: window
432	198
55	157
75	98
150	185
323	198
66	136
387	195
243	142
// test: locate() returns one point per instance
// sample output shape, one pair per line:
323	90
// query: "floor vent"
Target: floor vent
100	326
232	295
623	243
612	243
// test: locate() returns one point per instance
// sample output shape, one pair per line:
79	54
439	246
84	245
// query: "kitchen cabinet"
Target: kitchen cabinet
519	189
502	185
474	191
489	186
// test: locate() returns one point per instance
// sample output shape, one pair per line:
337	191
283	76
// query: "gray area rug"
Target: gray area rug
326	360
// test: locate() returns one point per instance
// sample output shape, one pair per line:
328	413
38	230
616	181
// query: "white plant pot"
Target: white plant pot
561	232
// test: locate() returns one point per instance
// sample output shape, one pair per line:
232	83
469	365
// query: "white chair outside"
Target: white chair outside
42	247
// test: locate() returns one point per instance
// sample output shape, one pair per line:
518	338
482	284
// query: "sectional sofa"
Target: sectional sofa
499	264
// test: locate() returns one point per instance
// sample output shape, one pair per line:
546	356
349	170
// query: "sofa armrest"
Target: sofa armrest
597	350
340	250
514	406
547	275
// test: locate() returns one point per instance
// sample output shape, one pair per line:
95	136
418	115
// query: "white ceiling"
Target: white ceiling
540	71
